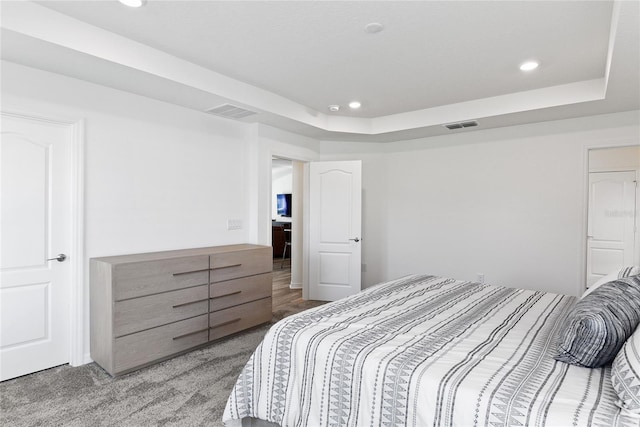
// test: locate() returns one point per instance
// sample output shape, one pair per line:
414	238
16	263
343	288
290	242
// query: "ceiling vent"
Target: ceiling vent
469	124
230	111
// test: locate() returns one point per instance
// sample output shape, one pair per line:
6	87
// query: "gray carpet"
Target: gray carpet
189	390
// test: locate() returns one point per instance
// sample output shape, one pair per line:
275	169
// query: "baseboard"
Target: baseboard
87	359
82	360
295	285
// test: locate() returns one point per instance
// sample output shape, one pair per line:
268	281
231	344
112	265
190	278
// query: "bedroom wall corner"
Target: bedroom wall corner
157	176
505	202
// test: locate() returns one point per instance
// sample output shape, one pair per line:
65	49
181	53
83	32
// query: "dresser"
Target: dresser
149	307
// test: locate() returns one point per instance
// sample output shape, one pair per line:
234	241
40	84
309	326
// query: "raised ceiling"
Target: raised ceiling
317	53
434	62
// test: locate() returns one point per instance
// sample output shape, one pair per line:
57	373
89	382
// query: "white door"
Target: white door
35	225
335	199
611	223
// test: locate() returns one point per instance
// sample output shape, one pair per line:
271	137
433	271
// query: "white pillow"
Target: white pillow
617	274
625	375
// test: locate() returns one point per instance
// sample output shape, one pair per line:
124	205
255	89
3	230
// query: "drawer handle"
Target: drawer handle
190	333
189	272
189	303
226	295
226	323
225	266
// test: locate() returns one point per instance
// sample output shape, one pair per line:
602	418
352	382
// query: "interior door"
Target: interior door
335	216
611	223
35	225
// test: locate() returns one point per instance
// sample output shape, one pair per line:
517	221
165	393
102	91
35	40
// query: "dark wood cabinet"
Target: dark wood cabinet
278	238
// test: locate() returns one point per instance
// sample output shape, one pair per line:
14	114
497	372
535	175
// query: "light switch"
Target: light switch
234	224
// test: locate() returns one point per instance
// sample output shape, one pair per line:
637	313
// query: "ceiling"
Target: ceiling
435	62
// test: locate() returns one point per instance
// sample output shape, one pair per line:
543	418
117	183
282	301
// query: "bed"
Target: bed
423	351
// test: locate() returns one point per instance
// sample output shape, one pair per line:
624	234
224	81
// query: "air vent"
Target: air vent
470	123
230	111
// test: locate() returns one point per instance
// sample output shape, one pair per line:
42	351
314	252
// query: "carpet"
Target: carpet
188	390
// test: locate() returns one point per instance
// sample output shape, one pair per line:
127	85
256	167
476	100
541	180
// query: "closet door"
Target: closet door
612	215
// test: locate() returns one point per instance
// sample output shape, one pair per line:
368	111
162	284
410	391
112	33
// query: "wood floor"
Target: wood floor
287	301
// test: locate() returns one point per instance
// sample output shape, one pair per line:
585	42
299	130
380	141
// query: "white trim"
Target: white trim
306	232
86	358
77	355
270	204
297	158
636	234
605	170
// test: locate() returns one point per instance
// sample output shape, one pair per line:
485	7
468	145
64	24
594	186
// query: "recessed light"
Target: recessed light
529	65
333	108
354	105
373	28
133	3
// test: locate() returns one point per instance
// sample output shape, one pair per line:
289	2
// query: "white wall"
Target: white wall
271	142
506	202
157	176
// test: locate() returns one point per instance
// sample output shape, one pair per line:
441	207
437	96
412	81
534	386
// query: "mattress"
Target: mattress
423	351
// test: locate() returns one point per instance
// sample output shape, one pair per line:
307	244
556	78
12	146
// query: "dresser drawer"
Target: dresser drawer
238	291
137	279
232	265
235	319
147	346
142	313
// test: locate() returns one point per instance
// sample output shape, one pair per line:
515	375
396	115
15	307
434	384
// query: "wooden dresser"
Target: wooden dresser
149	307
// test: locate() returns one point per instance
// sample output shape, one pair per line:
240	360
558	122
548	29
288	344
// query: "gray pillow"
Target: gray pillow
600	323
625	375
616	274
628	271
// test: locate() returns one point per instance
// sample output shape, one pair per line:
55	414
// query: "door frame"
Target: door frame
265	143
77	324
582	277
305	210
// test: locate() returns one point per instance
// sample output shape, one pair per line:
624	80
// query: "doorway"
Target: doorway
613	207
287	194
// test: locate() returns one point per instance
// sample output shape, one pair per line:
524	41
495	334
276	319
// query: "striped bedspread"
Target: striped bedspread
424	351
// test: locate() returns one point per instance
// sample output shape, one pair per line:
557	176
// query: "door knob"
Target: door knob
59	258
356	239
